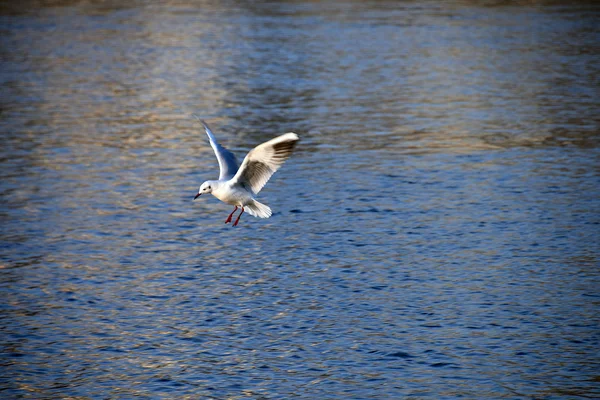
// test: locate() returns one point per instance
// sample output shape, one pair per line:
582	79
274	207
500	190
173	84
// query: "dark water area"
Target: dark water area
435	235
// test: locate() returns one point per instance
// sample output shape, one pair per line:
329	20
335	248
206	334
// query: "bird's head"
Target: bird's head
205	188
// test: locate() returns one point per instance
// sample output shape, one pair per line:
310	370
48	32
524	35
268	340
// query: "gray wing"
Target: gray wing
262	162
227	162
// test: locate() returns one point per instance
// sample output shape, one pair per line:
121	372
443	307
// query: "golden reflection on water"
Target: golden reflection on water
133	88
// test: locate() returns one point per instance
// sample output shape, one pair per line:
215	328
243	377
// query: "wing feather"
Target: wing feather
228	164
262	162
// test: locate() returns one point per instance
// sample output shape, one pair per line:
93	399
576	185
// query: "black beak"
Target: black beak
196	196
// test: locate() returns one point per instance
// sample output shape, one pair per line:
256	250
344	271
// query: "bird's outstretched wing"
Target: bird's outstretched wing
262	162
227	162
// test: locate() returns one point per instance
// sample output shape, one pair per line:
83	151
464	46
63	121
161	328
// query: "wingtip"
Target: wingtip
201	120
291	136
205	125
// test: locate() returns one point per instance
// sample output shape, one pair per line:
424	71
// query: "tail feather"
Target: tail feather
258	210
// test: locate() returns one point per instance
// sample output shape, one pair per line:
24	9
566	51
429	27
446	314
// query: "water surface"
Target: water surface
435	235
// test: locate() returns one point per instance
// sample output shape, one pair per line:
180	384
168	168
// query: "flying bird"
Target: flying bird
238	186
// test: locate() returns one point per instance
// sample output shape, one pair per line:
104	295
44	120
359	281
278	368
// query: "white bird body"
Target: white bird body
239	186
226	192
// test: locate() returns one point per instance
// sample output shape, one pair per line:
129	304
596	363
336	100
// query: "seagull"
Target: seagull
238	186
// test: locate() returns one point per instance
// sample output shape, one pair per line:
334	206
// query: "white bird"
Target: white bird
238	185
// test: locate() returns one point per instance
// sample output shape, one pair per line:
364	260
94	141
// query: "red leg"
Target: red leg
238	218
228	220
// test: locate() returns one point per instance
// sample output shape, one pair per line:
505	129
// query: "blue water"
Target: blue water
436	234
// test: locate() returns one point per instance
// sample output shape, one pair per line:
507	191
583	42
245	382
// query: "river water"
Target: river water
436	234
